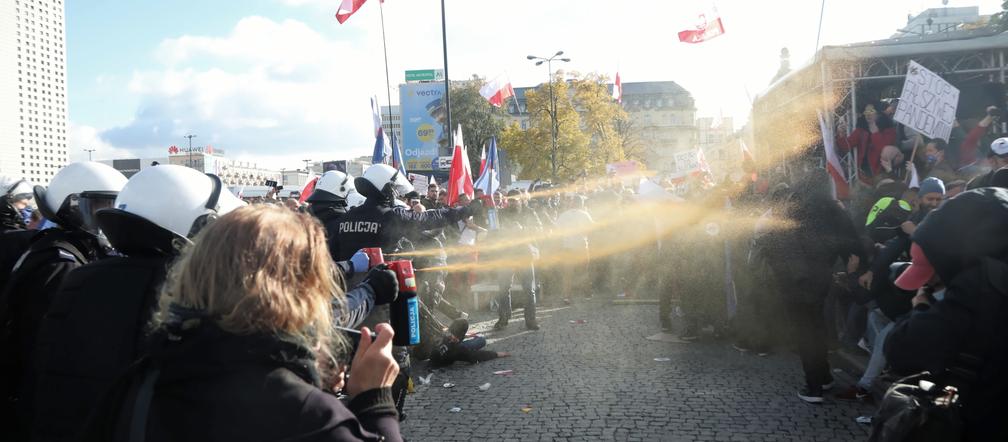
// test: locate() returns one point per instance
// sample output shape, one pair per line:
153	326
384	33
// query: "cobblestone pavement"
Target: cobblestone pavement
599	381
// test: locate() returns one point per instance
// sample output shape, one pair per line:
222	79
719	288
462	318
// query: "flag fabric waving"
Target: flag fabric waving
347	8
460	175
308	189
841	188
489	180
397	160
617	89
496	91
914	178
482	160
708	26
382	147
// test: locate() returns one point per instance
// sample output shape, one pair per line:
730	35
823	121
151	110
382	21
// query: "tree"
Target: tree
479	119
589	131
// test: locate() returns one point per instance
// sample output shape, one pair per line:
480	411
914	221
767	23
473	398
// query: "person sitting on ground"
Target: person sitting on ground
243	346
455	347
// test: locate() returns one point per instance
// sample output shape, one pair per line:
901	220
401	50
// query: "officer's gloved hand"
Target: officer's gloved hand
359	262
384	283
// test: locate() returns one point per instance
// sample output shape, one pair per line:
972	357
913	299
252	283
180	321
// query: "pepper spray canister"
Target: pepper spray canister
404	312
375	256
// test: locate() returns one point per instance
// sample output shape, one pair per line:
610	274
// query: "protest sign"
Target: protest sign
928	103
419	182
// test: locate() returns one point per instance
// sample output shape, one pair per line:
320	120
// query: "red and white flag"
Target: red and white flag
708	26
460	175
347	8
482	160
840	186
617	89
748	161
496	91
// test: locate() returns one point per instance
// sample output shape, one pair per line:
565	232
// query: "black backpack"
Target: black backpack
918	409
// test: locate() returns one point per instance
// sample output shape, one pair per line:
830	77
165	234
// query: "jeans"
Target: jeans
474	344
528	283
878	329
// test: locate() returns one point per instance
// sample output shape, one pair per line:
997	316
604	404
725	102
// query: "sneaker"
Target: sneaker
740	347
854	393
827	386
811	396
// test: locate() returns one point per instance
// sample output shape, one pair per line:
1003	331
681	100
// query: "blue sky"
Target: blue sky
276	81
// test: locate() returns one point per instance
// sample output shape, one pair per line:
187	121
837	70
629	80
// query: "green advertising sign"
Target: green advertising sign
425	75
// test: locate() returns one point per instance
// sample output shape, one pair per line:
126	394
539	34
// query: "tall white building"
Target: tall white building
33	101
392	121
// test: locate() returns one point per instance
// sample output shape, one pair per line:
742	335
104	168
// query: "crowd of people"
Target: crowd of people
164	306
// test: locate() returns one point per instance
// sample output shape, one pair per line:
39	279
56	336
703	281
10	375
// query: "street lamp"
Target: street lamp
89	153
553	116
307	166
190	137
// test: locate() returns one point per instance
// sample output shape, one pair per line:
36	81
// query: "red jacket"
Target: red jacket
968	148
868	145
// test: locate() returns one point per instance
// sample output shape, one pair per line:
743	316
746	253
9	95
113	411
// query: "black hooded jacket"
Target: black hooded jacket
802	255
217	386
378	224
966	243
329	214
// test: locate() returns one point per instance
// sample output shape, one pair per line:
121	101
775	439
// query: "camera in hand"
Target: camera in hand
273	184
994	112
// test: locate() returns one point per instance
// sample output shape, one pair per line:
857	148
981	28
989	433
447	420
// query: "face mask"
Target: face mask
932	159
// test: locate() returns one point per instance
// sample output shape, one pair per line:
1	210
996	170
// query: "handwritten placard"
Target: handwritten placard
928	103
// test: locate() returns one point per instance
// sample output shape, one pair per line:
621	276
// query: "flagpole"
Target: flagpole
444	44
388	84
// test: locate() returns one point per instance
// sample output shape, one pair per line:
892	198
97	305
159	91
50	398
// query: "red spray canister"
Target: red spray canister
404	312
375	256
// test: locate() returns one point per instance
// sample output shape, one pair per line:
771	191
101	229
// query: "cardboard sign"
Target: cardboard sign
419	182
928	103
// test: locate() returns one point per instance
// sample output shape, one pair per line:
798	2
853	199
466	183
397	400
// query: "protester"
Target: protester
802	259
872	133
430	199
523	255
958	330
455	346
936	165
234	357
74	194
574	224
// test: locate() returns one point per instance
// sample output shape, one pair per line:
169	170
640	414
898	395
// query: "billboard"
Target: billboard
127	167
423	124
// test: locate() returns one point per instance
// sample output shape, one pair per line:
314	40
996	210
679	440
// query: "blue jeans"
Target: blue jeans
878	329
473	344
527	279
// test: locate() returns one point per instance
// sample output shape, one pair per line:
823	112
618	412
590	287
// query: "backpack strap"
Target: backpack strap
141	407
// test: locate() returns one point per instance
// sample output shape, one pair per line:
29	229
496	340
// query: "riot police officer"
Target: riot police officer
158	211
329	204
73	197
380	222
14	237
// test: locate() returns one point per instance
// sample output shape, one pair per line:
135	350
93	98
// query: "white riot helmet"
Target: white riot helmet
355	199
161	206
383	182
77	192
332	186
15	188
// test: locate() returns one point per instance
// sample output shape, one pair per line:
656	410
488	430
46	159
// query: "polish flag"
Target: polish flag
841	188
708	26
496	91
914	178
308	189
489	180
460	175
347	8
617	89
482	160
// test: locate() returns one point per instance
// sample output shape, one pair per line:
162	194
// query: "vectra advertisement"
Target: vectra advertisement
423	121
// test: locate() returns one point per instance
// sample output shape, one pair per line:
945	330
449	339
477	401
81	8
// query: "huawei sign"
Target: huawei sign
173	150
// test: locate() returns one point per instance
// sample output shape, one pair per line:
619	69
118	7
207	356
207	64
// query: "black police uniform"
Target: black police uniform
329	215
376	224
25	300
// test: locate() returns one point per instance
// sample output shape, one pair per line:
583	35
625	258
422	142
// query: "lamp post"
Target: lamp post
553	115
190	137
307	166
89	153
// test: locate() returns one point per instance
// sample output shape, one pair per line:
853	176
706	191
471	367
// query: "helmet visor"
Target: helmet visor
88	205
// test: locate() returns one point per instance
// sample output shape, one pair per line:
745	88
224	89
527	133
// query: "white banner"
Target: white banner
928	103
